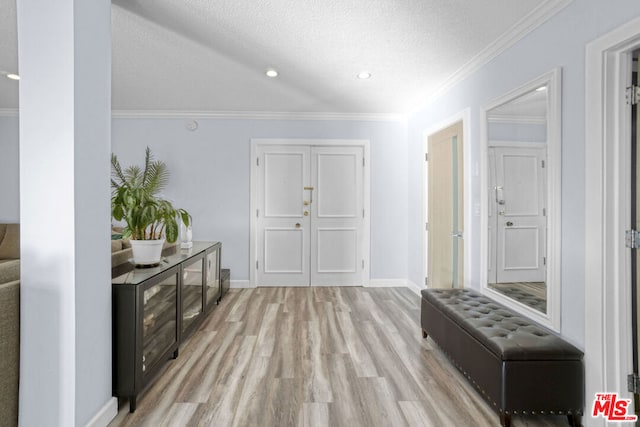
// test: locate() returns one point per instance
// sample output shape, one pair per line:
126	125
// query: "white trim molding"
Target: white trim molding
387	283
105	415
608	357
240	284
255	115
415	288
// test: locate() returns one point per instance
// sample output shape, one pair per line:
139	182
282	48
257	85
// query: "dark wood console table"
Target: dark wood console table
156	309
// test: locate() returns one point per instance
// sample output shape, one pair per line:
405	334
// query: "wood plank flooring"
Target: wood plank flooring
314	357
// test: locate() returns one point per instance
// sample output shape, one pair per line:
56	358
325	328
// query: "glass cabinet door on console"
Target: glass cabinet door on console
192	293
159	329
145	327
213	274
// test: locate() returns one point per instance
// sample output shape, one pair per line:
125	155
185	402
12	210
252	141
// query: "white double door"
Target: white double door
310	215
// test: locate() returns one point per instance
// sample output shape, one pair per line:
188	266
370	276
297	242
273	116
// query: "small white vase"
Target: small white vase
185	236
147	252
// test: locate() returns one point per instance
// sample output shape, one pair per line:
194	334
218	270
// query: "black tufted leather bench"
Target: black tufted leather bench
518	366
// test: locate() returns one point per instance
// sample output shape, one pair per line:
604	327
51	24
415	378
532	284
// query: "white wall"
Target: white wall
559	42
9	170
92	128
65	287
210	170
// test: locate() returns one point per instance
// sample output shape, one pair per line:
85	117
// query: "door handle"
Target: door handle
310	189
509	224
499	195
298	225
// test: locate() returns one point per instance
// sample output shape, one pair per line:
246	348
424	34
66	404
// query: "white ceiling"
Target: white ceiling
210	56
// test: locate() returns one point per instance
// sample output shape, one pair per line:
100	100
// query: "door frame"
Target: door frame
253	205
608	356
463	116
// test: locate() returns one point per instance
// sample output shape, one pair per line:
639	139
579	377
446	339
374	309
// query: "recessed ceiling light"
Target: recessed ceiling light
13	76
271	73
364	75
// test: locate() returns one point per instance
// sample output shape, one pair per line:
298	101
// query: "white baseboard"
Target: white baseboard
387	283
240	284
414	287
105	415
373	283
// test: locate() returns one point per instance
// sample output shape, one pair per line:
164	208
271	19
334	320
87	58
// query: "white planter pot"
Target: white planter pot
147	252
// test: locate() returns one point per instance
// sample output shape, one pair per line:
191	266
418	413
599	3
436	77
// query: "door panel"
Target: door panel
337	216
336	175
445	264
283	229
284	251
285	174
527	256
337	250
520	221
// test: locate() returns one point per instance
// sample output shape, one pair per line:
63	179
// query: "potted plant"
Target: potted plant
148	218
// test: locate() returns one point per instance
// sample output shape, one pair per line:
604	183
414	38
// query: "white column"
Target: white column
65	96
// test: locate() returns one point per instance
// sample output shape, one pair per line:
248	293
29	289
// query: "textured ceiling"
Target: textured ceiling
210	56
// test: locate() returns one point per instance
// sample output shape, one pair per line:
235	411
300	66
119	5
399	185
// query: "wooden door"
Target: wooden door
445	208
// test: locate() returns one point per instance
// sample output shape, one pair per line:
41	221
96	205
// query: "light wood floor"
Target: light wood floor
314	357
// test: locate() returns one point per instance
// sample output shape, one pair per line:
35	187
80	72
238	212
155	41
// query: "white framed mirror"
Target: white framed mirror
520	167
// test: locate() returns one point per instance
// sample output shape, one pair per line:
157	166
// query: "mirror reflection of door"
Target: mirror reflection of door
445	251
517	221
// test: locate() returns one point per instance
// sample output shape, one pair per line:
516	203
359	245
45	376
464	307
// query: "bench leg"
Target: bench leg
505	420
575	420
424	333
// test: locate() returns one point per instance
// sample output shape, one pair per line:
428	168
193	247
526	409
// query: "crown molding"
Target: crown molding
8	112
255	115
520	29
239	115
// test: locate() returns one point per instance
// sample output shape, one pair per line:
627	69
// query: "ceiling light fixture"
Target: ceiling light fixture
11	76
271	73
541	88
363	75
